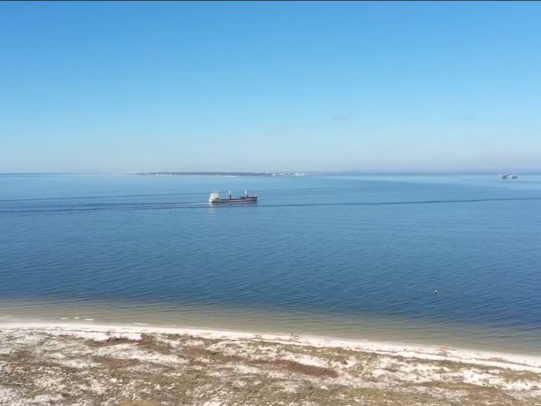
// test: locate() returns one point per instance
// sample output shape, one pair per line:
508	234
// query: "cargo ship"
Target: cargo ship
215	198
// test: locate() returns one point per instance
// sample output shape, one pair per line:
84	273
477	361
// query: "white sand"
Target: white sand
206	366
517	362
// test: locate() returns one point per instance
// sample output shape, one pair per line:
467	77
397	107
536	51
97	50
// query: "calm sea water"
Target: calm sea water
340	256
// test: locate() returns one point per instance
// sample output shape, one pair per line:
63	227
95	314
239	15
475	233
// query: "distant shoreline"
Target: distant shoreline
229	174
532	172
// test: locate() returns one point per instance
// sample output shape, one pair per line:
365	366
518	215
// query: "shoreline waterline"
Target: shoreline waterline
196	316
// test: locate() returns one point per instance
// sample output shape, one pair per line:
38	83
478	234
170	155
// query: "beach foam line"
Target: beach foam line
518	362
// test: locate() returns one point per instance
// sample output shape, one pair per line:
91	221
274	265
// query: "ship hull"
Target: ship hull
245	200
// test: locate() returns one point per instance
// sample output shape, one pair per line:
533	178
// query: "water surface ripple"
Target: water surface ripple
350	256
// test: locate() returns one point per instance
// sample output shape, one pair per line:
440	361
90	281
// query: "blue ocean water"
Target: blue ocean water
356	251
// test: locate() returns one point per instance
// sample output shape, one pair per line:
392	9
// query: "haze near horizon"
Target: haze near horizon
234	86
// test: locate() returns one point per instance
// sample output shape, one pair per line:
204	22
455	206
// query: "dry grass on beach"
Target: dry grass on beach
40	367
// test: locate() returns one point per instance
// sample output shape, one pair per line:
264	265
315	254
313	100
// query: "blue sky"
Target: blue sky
265	86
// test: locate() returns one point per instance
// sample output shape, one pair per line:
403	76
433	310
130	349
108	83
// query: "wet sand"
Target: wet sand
90	364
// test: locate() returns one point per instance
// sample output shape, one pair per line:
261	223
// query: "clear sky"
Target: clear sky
266	86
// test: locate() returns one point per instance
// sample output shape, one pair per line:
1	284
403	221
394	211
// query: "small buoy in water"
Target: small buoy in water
436	291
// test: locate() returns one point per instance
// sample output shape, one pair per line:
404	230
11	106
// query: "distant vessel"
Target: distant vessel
215	198
513	176
504	175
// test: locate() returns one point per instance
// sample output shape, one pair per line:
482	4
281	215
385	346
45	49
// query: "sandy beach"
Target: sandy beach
136	365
